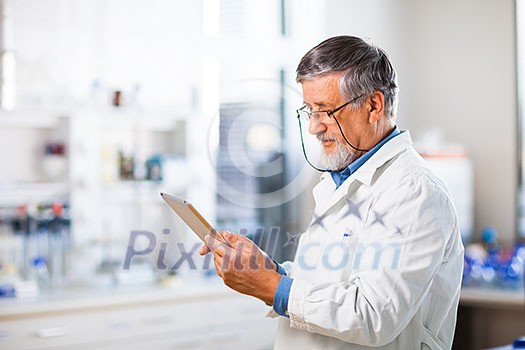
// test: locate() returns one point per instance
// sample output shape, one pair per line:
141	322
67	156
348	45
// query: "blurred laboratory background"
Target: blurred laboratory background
106	103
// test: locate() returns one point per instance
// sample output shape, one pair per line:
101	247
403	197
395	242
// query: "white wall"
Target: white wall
455	59
457	72
63	46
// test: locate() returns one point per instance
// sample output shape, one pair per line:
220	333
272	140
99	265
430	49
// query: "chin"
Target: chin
337	158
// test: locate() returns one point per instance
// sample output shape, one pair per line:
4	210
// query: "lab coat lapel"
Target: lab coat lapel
326	195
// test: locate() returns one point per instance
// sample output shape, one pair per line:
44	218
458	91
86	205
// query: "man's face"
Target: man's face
322	94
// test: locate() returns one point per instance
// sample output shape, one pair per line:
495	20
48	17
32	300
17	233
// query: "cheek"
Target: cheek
355	128
333	130
336	133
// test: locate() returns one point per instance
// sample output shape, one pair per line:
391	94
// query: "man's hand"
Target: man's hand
243	266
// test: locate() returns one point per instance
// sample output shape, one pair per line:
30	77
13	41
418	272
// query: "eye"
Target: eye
306	108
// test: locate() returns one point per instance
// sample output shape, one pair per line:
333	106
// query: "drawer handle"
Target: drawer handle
53	332
157	320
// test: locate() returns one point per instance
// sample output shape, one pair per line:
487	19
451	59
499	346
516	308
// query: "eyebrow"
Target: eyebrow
320	104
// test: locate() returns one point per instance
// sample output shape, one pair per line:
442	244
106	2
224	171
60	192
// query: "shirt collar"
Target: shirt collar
340	176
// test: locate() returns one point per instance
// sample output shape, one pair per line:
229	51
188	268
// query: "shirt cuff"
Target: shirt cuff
282	294
280	269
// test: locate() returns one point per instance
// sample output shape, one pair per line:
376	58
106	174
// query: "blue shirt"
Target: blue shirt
340	176
282	293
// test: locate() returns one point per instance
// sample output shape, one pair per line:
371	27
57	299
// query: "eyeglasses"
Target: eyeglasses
304	113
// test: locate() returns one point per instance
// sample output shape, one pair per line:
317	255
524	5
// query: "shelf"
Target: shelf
133	185
134	119
48	118
134	190
37	118
14	194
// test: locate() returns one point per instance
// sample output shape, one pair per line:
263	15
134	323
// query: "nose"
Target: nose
315	126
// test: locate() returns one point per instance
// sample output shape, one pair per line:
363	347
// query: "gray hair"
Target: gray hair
366	68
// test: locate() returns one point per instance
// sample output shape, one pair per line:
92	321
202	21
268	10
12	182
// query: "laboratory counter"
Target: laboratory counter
198	312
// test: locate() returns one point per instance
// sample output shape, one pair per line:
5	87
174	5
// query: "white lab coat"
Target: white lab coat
381	264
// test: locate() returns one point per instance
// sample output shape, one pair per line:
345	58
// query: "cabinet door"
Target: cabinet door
52	331
226	322
233	322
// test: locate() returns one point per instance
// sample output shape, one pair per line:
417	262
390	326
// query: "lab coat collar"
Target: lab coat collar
389	150
326	197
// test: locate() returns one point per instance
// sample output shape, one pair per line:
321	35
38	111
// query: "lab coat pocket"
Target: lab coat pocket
430	341
338	254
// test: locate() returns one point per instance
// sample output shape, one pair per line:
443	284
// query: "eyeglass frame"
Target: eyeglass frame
330	113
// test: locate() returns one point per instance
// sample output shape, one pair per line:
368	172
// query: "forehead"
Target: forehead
322	91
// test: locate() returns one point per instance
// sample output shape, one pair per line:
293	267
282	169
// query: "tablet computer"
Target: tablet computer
187	212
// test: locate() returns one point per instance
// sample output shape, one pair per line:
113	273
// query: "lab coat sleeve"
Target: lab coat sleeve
372	307
288	267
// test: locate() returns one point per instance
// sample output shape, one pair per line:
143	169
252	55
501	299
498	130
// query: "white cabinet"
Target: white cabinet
155	320
52	331
25	176
230	323
104	207
107	207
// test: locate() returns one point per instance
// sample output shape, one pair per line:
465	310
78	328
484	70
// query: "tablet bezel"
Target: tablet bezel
191	216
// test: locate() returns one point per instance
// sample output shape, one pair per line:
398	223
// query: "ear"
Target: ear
376	106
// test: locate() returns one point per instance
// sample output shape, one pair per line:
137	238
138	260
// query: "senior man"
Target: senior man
380	265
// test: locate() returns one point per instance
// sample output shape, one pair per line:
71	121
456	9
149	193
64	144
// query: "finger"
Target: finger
229	237
216	246
218	267
204	250
212	241
221	251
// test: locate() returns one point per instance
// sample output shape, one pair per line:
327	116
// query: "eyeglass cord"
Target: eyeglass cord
304	150
344	137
